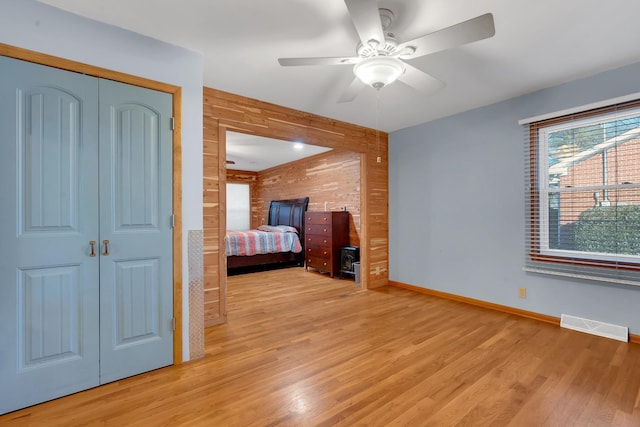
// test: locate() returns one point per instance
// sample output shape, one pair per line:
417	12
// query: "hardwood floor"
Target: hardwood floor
300	349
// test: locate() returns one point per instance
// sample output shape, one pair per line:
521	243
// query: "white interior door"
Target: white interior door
82	160
136	284
49	288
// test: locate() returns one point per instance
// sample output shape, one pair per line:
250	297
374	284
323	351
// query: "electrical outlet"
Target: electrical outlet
377	270
522	292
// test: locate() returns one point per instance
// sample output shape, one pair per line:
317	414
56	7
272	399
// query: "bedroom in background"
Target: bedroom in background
331	179
225	112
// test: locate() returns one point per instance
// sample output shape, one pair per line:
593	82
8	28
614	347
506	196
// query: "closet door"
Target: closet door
136	283
49	287
86	282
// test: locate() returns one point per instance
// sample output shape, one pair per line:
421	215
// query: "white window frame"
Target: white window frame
545	190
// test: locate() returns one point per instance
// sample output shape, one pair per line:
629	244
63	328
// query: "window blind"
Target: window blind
582	194
238	207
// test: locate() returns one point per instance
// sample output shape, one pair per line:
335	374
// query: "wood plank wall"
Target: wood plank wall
224	111
242	177
331	180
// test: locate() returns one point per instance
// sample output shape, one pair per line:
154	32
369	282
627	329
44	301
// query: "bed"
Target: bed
286	213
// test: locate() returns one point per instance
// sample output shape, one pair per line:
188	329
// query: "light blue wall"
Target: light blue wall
35	26
456	206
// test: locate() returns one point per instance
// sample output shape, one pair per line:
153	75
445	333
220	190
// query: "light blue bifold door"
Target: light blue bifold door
86	256
136	291
49	280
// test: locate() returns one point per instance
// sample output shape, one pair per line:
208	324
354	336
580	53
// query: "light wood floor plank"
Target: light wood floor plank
300	349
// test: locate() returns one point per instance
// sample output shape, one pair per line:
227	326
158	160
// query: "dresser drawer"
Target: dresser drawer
318	218
318	229
319	263
316	241
319	252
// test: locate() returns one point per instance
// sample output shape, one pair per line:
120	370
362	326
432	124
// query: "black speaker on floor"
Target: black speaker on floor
349	255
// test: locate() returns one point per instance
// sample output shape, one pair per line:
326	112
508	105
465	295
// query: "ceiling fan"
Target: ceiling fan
382	57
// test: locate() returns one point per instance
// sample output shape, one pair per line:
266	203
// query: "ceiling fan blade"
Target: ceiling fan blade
366	19
352	91
420	80
478	28
295	62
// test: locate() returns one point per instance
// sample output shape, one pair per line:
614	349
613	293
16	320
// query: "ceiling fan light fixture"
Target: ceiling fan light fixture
379	71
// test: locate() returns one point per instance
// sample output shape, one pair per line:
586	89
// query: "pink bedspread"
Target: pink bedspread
253	242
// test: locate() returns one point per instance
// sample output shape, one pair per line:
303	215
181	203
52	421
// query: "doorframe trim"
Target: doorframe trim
176	91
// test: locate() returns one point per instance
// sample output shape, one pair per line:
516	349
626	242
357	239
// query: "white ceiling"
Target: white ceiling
256	153
538	44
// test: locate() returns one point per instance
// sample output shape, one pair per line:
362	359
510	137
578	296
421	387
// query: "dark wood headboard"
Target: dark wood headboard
288	212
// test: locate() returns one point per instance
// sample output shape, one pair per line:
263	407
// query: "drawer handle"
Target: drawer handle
325	230
324	263
325	240
326	253
324	219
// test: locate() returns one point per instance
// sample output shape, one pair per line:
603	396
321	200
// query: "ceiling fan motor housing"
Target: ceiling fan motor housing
373	48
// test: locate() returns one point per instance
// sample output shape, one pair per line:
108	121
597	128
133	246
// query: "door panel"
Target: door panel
135	217
136	285
49	289
48	332
48	150
134	167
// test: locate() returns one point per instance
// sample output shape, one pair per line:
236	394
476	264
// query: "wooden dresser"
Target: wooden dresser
325	234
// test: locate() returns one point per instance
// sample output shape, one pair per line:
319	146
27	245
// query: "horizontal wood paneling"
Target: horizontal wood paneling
212	196
224	111
331	181
241	177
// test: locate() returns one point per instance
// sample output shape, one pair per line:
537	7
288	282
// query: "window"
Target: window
238	207
584	193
